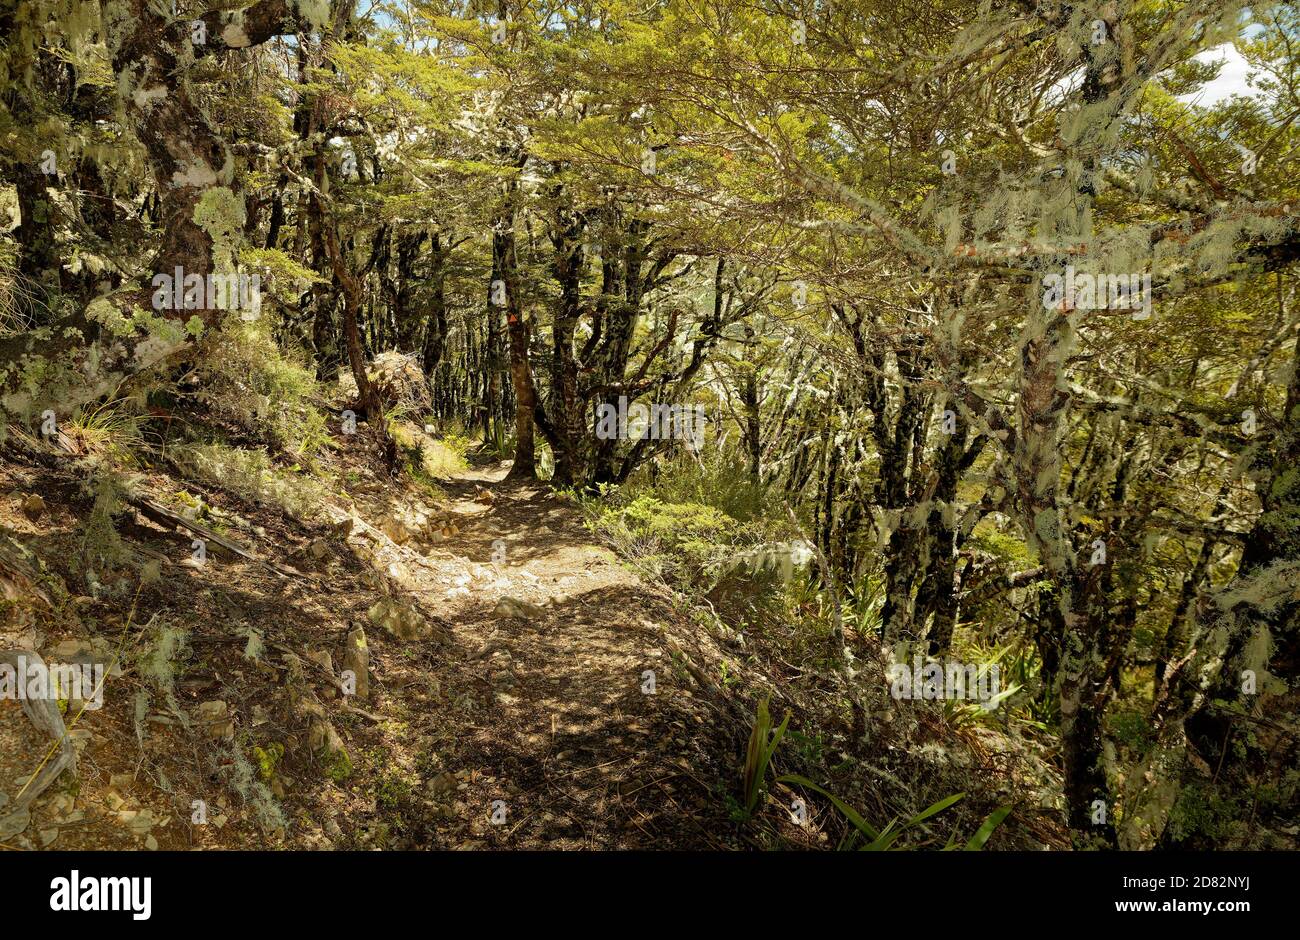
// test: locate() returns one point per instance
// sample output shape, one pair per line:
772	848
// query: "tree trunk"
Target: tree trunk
567	421
435	328
76	360
750	411
503	292
367	393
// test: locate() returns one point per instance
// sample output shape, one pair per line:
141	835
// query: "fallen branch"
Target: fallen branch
44	714
170	517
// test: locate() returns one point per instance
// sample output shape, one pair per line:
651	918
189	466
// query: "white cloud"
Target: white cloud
1231	80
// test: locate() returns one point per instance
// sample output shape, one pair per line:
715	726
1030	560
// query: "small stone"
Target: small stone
325	743
33	506
400	619
442	784
121	782
215	715
396	530
69	648
139	821
513	608
151	843
356	658
47	836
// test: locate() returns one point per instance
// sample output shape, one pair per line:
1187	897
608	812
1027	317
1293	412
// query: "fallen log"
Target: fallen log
169	517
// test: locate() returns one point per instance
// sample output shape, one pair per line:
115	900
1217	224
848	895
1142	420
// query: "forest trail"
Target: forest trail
586	735
547	705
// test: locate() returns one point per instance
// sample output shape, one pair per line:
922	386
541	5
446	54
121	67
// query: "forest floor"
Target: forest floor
551	699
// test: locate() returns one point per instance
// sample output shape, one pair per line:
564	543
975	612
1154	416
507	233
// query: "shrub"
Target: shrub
679	542
250	475
243	377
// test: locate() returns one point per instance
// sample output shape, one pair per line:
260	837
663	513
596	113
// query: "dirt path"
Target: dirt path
564	718
587	733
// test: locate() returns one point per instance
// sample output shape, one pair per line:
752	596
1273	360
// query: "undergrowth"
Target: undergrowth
691	524
244	378
253	476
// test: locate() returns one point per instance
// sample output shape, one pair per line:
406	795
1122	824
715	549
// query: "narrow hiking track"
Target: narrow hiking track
558	701
586	733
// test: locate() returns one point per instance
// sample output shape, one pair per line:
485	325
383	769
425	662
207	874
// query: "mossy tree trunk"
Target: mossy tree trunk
89	353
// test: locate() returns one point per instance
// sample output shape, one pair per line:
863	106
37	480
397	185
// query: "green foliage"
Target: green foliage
676	541
1021	668
1203	814
917	233
394	790
986	829
713	482
21	301
763	742
157	662
244	378
102	550
267	759
252	476
428	459
1010	551
1132	728
888	838
338	766
246	782
109	431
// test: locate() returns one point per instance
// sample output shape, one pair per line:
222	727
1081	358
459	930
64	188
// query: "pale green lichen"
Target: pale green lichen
233	34
1263	589
144	98
38	383
102	310
159	336
194	172
315	12
117	23
162	338
220	213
